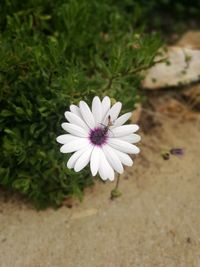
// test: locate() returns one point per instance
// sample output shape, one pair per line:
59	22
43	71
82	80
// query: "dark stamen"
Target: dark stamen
98	136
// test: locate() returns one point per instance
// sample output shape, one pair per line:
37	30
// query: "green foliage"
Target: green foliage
54	53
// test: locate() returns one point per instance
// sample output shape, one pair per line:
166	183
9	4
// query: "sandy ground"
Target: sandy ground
155	223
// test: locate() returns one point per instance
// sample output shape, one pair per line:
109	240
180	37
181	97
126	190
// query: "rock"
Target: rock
190	39
181	67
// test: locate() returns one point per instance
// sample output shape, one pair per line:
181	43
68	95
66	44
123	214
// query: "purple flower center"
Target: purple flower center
98	136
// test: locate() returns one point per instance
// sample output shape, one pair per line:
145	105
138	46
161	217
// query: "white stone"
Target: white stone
182	67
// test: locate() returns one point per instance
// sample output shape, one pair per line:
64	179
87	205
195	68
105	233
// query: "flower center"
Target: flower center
98	136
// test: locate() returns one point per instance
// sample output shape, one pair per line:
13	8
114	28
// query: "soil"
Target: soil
155	223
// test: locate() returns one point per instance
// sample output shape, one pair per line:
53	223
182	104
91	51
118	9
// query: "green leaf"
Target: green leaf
22	185
6	113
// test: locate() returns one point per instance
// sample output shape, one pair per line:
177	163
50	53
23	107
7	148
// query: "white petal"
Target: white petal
113	159
95	160
75	119
125	158
97	110
74	129
122	119
124	130
87	114
131	138
72	160
105	170
105	106
83	160
75	110
74	145
66	138
113	113
123	146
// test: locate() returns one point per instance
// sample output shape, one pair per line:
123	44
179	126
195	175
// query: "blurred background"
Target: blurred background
145	54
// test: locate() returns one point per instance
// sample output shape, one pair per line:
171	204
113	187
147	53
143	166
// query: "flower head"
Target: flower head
98	136
177	151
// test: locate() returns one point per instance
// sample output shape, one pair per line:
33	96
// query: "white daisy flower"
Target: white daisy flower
98	136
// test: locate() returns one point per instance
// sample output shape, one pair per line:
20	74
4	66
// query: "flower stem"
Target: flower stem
115	192
117	182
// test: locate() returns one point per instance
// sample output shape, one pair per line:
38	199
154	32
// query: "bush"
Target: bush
54	53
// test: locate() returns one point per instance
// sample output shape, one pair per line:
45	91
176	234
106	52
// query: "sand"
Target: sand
155	223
